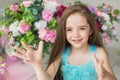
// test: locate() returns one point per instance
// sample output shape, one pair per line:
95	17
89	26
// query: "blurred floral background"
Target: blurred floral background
34	20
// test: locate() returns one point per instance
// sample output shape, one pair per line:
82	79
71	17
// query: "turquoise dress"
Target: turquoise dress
78	72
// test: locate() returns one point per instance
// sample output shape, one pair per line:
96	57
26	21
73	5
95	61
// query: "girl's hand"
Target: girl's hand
101	71
29	55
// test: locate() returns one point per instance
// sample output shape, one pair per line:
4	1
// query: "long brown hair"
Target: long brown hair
60	42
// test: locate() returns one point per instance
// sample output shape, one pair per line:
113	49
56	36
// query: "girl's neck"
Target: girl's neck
81	50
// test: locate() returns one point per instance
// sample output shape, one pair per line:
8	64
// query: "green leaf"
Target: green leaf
28	33
116	12
19	16
22	40
34	11
30	39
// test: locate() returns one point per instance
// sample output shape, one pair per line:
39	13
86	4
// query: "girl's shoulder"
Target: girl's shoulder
101	52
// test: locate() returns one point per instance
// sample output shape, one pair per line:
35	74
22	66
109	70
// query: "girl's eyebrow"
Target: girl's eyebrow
83	26
78	26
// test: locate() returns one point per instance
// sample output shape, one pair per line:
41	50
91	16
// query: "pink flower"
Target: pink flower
47	35
98	12
47	15
42	33
14	7
27	3
106	37
53	36
50	36
7	30
23	27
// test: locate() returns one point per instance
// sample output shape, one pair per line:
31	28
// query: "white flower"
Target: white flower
40	24
108	23
48	5
104	27
10	50
106	16
11	40
14	28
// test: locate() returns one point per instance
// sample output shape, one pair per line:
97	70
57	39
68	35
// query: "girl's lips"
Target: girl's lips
77	41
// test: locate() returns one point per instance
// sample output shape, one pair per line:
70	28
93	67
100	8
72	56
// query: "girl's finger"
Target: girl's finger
40	47
100	69
22	51
94	58
26	46
20	55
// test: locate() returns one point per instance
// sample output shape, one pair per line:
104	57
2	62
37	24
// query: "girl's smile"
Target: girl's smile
77	40
77	30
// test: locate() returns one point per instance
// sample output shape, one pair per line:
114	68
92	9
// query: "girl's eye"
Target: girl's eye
82	28
68	29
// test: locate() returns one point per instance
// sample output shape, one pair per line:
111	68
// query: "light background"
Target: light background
111	48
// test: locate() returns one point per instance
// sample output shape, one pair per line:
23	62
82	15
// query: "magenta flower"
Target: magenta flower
14	7
60	10
23	27
99	25
47	15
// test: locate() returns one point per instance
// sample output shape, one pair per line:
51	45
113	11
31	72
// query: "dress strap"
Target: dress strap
66	52
93	49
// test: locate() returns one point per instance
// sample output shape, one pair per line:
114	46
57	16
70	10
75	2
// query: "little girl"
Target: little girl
77	52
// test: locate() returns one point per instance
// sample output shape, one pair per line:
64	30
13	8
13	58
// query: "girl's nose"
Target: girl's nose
76	33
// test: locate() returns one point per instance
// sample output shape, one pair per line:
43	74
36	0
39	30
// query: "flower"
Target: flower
107	19
34	20
105	16
27	3
30	21
47	15
14	7
23	27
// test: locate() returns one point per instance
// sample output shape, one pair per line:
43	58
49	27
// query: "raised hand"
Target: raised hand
101	71
29	55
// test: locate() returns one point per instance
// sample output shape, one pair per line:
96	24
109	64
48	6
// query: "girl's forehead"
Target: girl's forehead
76	20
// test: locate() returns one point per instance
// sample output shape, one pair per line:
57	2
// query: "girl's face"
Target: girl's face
77	30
